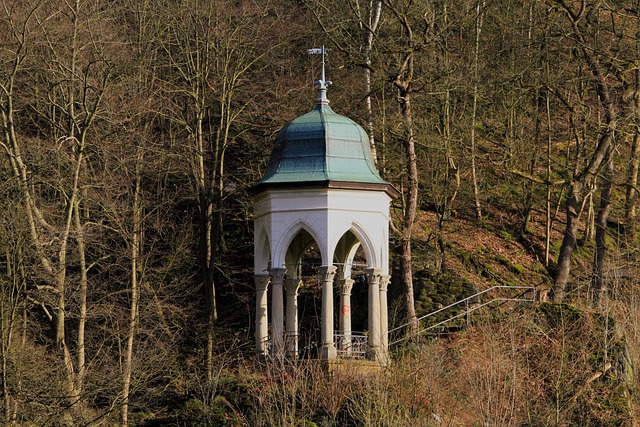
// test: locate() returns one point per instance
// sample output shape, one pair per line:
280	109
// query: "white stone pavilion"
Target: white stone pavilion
321	187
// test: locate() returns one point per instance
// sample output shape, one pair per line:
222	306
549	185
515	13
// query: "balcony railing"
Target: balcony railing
353	345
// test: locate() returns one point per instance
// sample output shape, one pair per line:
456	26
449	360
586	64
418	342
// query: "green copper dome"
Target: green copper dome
322	147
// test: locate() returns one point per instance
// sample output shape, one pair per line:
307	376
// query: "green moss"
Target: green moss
559	314
436	292
554	248
472	261
489	272
489	227
517	268
505	234
513	268
465	258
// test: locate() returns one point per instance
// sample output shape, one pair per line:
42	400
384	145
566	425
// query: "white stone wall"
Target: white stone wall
327	214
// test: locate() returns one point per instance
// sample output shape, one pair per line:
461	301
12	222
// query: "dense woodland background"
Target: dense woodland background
132	131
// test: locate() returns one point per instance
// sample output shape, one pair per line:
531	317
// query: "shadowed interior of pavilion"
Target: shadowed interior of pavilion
305	282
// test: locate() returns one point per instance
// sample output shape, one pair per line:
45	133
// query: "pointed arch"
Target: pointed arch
365	240
345	251
262	250
279	253
296	249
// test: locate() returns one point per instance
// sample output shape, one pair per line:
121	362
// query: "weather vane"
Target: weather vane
321	83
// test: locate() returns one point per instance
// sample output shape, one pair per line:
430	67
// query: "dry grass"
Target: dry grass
545	366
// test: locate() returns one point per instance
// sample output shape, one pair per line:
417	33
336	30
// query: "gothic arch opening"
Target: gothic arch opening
325	300
350	256
302	261
262	252
303	245
294	241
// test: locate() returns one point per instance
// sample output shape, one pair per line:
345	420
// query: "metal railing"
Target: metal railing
353	345
290	344
470	304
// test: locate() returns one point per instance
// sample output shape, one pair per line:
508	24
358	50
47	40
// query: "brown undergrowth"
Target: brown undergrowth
542	365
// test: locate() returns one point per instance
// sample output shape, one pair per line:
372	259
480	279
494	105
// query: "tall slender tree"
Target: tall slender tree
212	48
581	20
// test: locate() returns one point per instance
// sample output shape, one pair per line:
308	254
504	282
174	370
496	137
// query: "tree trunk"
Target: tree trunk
631	193
411	208
599	284
406	276
590	223
604	149
403	79
370	31
548	225
474	111
82	302
134	253
569	240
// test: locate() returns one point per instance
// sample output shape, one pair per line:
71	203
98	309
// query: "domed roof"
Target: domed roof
322	148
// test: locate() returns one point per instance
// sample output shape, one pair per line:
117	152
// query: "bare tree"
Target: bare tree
579	20
631	194
75	83
480	11
403	78
211	50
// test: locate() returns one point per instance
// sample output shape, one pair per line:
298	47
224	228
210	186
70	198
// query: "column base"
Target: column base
375	354
328	352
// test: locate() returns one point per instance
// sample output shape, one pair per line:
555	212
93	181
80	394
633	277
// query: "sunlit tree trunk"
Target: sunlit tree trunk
631	193
480	10
402	81
586	177
135	268
548	216
369	31
598	279
411	207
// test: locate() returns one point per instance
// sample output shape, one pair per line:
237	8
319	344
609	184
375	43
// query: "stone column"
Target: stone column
262	322
373	276
345	312
384	316
277	311
328	348
291	288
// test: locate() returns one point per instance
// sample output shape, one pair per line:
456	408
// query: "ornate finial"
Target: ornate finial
321	83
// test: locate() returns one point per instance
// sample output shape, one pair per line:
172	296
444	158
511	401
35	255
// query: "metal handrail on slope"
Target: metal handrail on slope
468	309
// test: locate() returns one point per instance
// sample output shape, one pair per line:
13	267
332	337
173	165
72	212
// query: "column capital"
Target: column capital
328	271
261	281
374	275
277	274
384	282
346	285
291	286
